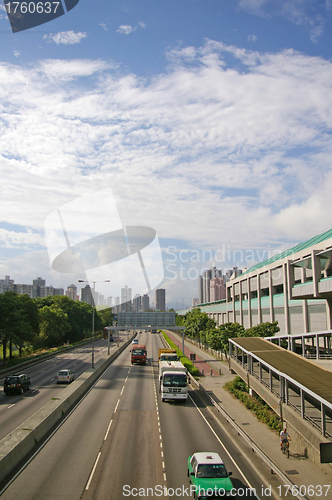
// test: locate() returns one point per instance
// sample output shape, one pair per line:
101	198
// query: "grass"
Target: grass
256	404
184	360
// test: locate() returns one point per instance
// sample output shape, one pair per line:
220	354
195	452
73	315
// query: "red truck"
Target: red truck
138	354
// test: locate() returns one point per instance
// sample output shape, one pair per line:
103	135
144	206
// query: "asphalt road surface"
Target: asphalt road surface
16	408
122	442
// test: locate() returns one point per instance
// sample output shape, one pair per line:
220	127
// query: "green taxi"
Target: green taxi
209	477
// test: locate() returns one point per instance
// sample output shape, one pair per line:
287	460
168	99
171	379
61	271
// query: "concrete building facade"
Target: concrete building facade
160	299
293	288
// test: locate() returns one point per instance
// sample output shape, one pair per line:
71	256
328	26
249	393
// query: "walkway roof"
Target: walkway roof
317	380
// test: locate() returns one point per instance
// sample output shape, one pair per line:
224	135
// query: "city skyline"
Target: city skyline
225	149
84	294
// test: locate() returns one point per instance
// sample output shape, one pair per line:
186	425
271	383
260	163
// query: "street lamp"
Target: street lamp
93	316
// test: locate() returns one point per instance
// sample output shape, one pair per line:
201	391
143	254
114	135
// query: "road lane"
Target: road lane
15	409
122	437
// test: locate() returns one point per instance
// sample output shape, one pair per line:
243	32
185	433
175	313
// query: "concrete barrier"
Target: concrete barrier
25	438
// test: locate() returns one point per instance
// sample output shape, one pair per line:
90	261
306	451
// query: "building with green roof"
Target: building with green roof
293	288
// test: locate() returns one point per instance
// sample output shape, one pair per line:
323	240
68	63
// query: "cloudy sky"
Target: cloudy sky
209	120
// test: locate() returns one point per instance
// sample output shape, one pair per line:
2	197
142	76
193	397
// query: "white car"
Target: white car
135	341
65	376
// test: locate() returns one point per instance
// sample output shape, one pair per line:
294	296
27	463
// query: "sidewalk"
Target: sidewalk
206	364
301	471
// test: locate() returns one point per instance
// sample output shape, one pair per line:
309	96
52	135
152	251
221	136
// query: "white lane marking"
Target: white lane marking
108	429
52	379
161	445
93	471
162	454
117	404
121	391
164	476
222	444
11	406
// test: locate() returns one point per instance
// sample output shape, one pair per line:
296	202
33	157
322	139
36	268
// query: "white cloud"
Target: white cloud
125	29
103	25
253	6
311	15
141	24
17	53
66	37
13	239
252	38
205	153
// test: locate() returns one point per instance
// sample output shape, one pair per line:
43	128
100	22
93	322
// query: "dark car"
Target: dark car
16	384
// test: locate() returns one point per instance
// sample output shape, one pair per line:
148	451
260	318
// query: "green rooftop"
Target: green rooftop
297	248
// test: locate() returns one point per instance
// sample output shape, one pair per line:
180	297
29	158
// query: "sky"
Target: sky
208	120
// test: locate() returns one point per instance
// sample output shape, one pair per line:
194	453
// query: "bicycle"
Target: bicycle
285	448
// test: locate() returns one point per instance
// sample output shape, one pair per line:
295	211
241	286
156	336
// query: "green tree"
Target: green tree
197	323
262	330
219	338
106	316
18	321
54	326
29	323
79	315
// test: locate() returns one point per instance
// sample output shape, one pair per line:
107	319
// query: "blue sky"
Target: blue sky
209	120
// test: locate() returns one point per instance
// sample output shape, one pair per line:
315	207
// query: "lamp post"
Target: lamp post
93	317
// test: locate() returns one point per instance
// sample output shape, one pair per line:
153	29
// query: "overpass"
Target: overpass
298	390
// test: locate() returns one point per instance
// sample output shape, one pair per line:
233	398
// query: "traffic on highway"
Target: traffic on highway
123	441
16	408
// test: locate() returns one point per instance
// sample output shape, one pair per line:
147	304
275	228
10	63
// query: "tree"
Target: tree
79	315
197	323
54	325
18	321
29	323
106	316
262	330
219	338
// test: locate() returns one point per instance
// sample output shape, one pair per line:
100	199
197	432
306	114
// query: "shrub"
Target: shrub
184	360
256	404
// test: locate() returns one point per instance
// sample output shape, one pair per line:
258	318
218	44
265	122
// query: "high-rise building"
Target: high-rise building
37	289
217	289
206	285
161	299
145	302
126	299
137	303
86	295
72	292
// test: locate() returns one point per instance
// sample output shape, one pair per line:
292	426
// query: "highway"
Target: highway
121	441
16	408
